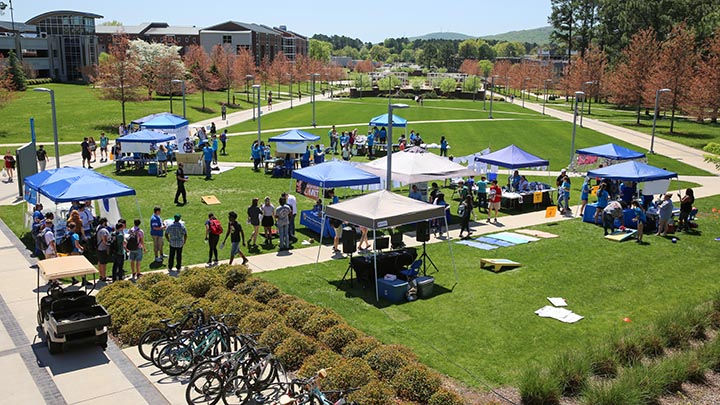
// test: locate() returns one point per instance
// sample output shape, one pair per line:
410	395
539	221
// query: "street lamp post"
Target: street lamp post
522	91
484	83
492	88
313	76
182	82
578	94
54	121
388	176
290	91
3	6
248	78
655	114
257	87
582	107
546	94
474	87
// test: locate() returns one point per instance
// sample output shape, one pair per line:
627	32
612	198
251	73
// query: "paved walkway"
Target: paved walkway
90	375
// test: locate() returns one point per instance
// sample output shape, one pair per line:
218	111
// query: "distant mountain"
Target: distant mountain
537	35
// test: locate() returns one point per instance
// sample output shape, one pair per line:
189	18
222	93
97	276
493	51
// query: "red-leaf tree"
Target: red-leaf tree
279	70
502	70
6	83
198	64
119	75
223	66
584	69
704	95
674	69
629	81
168	68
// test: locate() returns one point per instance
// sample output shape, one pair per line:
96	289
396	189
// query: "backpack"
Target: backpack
66	244
215	227
40	237
461	210
132	242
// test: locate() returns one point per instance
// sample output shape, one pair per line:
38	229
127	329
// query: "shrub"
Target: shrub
710	354
178	302
218	293
374	393
284	302
124	310
679	327
651	342
603	362
338	336
147	317
443	396
416	382
257	321
386	360
572	371
671	372
360	346
109	295
627	348
539	387
294	350
612	393
150	279
274	334
162	289
197	282
298	315
235	275
322	359
348	373
258	289
321	321
640	382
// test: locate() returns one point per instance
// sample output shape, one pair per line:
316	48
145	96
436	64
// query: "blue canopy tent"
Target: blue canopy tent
146	136
335	174
382	121
293	141
632	171
164	121
147	118
512	157
69	184
611	151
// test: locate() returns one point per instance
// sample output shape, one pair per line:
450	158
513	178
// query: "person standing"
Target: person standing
92	147
415	194
42	157
223	140
136	247
162	157
181	179
87	218
640	219
584	195
464	210
223	111
443	146
215	149
292	203
269	101
85	152
157	230
494	198
213	230
119	250
235	231
564	194
602	200
9	165
102	235
268	212
686	206
254	215
103	147
665	213
207	158
282	218
256	153
176	235
482	194
49	236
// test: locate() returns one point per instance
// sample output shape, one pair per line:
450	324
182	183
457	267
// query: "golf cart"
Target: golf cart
70	317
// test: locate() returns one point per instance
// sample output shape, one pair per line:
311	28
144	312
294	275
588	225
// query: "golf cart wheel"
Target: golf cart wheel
39	318
102	340
53	347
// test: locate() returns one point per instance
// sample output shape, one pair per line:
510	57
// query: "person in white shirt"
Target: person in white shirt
87	218
292	202
49	236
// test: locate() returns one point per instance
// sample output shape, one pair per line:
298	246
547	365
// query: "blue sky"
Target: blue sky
369	20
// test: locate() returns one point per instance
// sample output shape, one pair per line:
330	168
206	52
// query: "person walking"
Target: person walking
443	146
42	157
282	218
254	214
181	179
213	230
584	195
235	232
640	219
136	247
215	149
686	206
119	250
85	152
207	158
92	147
176	235
104	140
157	230
464	210
494	198
104	255
223	140
223	111
9	165
268	213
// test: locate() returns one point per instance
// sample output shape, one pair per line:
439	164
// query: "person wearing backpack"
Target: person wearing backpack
136	246
282	221
118	249
102	235
47	239
213	230
464	210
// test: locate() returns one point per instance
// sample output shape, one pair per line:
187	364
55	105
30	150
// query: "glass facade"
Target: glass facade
74	34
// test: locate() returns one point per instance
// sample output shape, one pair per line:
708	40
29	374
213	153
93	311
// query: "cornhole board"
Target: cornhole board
526	237
539	234
509	237
493	241
620	236
498	264
210	200
483	246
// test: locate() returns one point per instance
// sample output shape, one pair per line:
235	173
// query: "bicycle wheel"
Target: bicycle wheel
157	348
148	339
175	359
205	366
236	391
204	388
261	369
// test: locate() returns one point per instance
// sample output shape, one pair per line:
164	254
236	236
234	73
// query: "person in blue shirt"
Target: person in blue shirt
214	148
208	157
514	181
382	135
223	140
415	194
256	154
584	194
443	146
482	193
318	155
371	144
157	231
640	219
565	194
602	200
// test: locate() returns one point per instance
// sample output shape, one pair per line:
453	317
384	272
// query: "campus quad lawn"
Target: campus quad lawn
485	323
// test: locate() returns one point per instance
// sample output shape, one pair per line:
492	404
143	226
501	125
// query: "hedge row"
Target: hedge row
305	337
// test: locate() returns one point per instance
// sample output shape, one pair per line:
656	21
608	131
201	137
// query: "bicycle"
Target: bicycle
192	319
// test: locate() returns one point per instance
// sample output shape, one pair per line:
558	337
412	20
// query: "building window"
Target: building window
227	39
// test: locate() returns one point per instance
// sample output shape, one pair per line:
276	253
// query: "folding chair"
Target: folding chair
413	271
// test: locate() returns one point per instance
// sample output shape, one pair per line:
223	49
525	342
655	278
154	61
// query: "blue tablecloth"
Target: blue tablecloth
628	215
311	220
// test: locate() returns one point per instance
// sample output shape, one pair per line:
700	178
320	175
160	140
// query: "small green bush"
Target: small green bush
612	393
197	282
124	310
235	275
274	334
710	354
603	362
150	279
671	372
386	360
443	396
258	289
641	383
117	290
348	373
681	326
298	315
538	387
147	317
320	322
627	348
257	321
293	351
374	393
338	336
572	371
218	293
321	359
178	302
416	382
162	289
284	302
360	346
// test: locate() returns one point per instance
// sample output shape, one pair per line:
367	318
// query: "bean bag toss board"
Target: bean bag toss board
621	236
478	245
493	241
510	237
498	264
210	200
537	234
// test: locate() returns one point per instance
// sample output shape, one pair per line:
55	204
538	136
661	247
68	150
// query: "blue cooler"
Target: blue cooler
425	286
393	291
153	168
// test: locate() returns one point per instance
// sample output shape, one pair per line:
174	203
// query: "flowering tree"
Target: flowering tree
154	60
198	64
119	74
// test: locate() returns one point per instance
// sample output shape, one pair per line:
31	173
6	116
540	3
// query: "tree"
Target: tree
198	64
704	95
167	69
470	67
485	67
119	74
319	50
223	66
583	69
448	85
379	53
714	154
407	55
629	81
485	51
502	70
15	73
562	21
348	51
674	68
150	57
573	23
279	70
6	83
468	49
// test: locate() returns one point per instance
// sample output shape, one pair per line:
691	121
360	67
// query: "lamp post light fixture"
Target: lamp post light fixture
582	107
182	82
388	176
655	114
546	94
290	91
522	91
578	94
257	87
492	88
313	76
54	121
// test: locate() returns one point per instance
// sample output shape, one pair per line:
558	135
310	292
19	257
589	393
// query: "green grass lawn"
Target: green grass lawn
485	323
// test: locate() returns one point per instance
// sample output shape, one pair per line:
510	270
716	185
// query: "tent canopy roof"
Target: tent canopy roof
417	167
382	121
146	136
69	184
632	171
384	209
512	157
295	135
611	151
164	121
335	174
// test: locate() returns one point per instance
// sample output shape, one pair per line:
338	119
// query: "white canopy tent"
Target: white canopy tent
385	209
417	167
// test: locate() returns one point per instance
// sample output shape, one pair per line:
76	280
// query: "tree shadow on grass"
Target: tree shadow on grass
206	110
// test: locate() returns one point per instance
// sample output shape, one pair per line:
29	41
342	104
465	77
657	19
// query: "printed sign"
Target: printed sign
551	212
307	189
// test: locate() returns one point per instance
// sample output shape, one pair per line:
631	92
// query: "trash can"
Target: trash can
152	168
